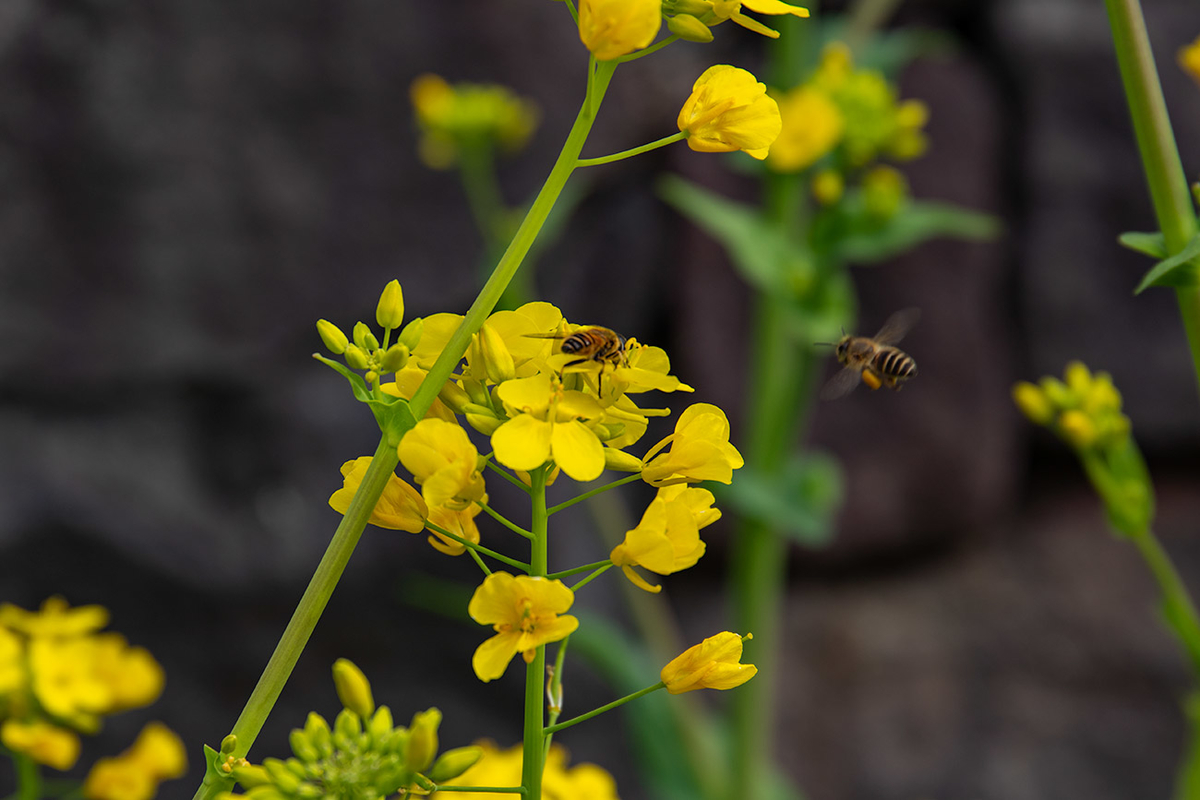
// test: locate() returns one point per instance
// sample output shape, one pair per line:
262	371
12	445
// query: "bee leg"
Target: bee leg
871	379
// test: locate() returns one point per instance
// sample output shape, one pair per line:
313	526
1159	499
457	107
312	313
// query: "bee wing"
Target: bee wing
546	335
897	326
842	383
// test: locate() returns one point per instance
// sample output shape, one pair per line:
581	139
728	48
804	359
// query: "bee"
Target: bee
876	361
591	343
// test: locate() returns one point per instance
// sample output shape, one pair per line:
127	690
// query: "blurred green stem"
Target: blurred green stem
29	778
1177	603
1160	155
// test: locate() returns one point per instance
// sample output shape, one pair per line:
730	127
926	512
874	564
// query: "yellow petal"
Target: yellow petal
523	442
491	658
492	603
575	447
774	7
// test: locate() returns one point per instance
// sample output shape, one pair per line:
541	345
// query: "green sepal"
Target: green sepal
392	413
1148	244
1178	271
801	501
866	239
213	774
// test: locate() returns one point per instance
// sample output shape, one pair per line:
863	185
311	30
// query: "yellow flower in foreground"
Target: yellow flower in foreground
1189	59
812	126
503	768
614	28
400	507
445	463
546	424
41	741
712	664
667	539
525	612
729	110
157	755
55	618
732	9
700	450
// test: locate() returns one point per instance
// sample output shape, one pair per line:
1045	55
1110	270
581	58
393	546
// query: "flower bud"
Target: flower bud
690	29
497	360
283	778
317	731
1033	403
1057	393
1078	378
335	341
454	397
693	8
1077	428
364	338
410	337
380	727
395	358
353	688
228	744
476	391
356	357
885	190
484	423
453	763
302	747
347	724
250	775
621	461
390	311
423	739
828	186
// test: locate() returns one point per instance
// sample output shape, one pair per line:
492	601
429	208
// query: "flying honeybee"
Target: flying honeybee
876	361
590	343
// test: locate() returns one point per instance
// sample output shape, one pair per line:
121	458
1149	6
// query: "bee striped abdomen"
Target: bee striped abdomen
894	364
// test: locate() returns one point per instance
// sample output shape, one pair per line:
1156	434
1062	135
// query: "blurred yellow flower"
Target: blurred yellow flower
667	539
729	110
400	507
157	755
812	126
884	191
712	664
614	28
44	743
460	522
525	613
444	462
1189	59
55	618
134	678
499	767
547	423
12	662
464	115
700	450
828	186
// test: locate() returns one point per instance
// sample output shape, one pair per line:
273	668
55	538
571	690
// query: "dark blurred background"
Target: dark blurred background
188	186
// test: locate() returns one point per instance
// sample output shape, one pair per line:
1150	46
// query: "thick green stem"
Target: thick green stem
535	672
312	603
1160	155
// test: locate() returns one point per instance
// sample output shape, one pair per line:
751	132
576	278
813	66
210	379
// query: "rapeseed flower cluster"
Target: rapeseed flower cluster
364	754
60	675
465	116
853	115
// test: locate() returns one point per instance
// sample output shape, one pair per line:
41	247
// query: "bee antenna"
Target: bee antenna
830	344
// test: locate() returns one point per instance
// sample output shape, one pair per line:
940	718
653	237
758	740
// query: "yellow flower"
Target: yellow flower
55	619
408	380
730	110
712	664
516	341
614	28
700	450
65	683
499	767
1189	59
157	755
645	368
44	743
131	673
12	662
460	522
525	612
445	463
401	507
667	539
453	118
732	9
547	424
1033	403
812	126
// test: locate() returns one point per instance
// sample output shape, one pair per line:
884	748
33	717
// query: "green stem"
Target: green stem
478	559
555	690
492	789
599	571
566	573
609	707
504	473
1180	609
535	672
1160	155
512	562
29	778
654	48
589	494
535	218
503	520
308	610
633	151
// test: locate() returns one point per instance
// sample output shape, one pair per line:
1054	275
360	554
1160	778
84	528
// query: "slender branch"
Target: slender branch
493	789
496	515
591	577
566	573
555	689
510	478
598	711
512	562
478	559
594	492
633	151
1178	602
654	48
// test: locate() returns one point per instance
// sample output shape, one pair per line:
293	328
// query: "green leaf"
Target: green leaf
800	501
1150	244
1177	271
392	413
213	775
758	249
869	240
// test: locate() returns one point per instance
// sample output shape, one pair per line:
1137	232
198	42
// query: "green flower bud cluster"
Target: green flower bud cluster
1084	410
363	350
359	757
